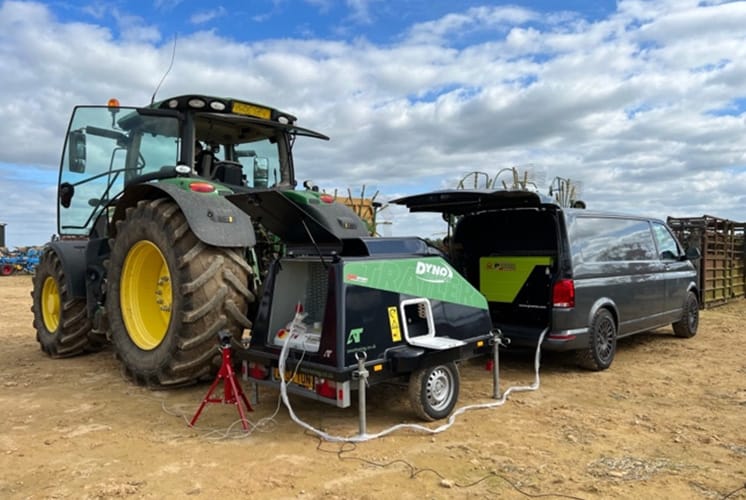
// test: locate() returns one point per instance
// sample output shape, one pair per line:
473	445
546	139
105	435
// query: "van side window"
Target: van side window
668	249
607	239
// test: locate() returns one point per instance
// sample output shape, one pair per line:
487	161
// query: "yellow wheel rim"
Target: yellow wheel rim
50	304
145	295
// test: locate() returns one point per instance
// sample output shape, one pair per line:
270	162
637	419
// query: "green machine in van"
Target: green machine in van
591	277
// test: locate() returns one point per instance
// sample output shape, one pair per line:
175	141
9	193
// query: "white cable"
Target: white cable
367	437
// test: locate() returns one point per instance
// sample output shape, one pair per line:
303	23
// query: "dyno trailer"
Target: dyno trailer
392	308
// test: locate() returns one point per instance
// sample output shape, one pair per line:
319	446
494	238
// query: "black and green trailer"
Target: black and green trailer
393	304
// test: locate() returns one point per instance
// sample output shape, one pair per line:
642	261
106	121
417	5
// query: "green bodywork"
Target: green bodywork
501	278
429	277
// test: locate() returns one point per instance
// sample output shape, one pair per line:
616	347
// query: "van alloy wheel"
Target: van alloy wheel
601	343
687	326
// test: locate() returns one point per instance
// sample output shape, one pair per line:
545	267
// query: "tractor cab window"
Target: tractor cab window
104	149
256	164
261	163
244	152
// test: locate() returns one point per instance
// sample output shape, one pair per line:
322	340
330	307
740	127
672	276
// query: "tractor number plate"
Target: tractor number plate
302	379
242	108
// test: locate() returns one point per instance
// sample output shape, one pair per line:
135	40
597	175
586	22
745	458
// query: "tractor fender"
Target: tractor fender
213	219
72	257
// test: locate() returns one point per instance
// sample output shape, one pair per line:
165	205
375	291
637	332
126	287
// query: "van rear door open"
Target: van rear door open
507	247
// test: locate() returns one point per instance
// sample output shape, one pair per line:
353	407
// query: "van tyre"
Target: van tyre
433	391
601	343
61	323
169	296
687	327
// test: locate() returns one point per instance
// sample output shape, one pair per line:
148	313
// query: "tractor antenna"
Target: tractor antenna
315	245
171	65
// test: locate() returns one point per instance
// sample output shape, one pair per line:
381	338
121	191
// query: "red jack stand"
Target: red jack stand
232	391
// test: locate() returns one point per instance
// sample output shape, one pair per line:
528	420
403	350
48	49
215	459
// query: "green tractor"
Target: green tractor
154	254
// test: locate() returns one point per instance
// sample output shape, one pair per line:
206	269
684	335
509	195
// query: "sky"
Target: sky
641	104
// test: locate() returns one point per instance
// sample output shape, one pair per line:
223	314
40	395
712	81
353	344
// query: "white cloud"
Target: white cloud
625	104
135	29
167	5
360	10
206	16
457	25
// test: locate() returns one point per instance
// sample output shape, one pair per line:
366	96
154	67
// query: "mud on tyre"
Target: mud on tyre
169	295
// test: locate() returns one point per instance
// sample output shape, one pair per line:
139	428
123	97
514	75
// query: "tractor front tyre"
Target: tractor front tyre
61	323
169	296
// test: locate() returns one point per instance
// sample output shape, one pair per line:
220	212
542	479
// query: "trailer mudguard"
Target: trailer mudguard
72	255
212	219
405	359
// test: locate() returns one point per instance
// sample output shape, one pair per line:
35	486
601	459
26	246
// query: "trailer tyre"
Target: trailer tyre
602	343
61	323
170	294
433	391
687	327
7	269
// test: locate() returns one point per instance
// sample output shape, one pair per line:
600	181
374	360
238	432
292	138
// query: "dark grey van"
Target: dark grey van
590	277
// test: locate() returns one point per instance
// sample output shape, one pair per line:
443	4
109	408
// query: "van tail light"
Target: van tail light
563	294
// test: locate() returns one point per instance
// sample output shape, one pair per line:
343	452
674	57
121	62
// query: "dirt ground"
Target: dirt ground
667	420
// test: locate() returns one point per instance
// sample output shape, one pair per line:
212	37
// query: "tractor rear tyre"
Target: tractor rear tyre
170	294
61	323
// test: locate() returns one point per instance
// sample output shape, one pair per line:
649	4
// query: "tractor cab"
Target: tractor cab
204	144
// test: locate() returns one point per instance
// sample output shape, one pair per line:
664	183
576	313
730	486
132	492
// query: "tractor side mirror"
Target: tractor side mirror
261	172
77	151
66	193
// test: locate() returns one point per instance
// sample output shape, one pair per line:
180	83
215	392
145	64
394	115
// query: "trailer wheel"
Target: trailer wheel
61	322
687	327
7	269
433	391
601	344
169	294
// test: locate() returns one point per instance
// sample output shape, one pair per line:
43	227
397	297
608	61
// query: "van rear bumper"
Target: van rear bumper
563	340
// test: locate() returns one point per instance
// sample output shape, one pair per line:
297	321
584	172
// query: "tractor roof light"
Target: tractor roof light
217	105
113	103
196	103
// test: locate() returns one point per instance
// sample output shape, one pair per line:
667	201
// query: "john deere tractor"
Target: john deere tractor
153	253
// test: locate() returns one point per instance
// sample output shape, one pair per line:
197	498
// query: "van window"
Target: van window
668	249
605	239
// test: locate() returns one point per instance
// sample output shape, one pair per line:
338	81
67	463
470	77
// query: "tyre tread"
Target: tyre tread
213	296
72	335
